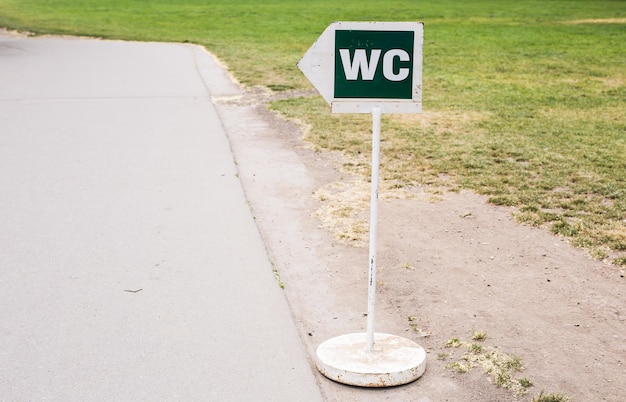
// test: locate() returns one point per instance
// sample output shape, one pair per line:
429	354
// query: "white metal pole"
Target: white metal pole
371	290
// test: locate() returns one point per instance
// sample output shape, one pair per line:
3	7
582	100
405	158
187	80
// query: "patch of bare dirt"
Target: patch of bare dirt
447	268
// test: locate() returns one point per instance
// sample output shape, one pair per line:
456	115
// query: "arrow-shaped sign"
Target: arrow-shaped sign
369	67
358	65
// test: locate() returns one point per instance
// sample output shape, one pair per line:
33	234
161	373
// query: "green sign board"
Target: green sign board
360	65
374	64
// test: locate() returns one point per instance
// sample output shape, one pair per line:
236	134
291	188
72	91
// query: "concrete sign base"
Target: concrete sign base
392	361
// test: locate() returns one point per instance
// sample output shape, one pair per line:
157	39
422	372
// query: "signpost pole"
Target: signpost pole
371	290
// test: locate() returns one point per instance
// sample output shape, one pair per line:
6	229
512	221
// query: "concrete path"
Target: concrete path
130	265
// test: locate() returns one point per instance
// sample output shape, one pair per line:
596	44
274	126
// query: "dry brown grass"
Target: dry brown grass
596	21
439	120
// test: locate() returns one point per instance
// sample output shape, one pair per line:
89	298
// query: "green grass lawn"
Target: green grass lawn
524	101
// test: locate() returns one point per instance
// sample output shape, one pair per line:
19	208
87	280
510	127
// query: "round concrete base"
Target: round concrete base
393	360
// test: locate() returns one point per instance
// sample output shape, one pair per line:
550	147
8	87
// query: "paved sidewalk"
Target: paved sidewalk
130	265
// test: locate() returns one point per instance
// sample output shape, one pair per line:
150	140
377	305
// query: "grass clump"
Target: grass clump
479	335
499	366
548	397
453	343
